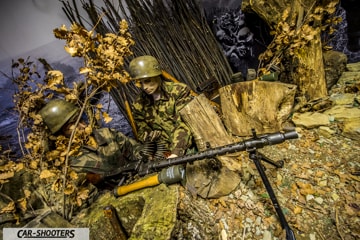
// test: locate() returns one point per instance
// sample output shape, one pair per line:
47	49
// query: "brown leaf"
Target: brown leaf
22	204
305	188
70	188
73	175
9	208
46	174
297	210
6	175
82	194
106	117
55	77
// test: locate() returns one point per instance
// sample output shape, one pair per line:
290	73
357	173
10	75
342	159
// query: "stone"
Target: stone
326	131
319	200
348	78
353	67
342	112
310	119
334	66
267	235
149	213
343	99
209	180
351	129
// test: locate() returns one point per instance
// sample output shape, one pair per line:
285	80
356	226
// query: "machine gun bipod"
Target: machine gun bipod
257	157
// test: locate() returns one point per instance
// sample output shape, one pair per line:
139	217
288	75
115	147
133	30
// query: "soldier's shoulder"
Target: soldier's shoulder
176	86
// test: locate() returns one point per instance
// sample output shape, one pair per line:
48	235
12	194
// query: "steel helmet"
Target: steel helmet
56	113
144	67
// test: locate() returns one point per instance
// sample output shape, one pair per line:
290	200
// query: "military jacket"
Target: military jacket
112	151
163	115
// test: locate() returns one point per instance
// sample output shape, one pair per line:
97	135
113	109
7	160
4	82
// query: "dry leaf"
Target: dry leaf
305	188
82	194
6	175
27	193
70	188
22	204
55	77
92	142
297	210
106	117
46	174
73	175
9	208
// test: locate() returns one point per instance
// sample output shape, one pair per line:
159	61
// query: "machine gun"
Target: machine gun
250	145
172	170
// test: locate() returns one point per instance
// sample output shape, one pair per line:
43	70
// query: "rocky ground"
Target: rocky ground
318	189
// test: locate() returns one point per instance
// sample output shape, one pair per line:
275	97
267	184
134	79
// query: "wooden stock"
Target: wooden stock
147	182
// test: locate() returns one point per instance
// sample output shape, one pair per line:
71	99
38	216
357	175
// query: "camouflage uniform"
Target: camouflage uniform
163	115
113	150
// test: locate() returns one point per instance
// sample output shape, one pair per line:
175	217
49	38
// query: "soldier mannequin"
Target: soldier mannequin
112	148
156	109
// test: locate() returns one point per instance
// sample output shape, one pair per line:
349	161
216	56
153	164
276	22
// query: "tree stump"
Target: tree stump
263	106
307	70
205	177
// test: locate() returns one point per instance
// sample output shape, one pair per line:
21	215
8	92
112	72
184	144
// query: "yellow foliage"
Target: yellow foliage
55	77
104	58
22	204
46	174
10	208
73	175
70	188
92	142
27	193
6	175
82	195
106	117
56	186
33	164
290	36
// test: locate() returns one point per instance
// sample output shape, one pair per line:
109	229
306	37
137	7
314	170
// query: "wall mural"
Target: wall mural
235	38
244	36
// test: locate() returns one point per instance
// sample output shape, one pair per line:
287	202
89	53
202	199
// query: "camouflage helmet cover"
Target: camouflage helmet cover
144	67
56	113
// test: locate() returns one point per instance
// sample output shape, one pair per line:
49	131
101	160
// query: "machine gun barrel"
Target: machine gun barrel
253	143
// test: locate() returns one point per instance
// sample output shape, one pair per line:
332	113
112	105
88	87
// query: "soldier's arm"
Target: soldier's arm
139	119
181	136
